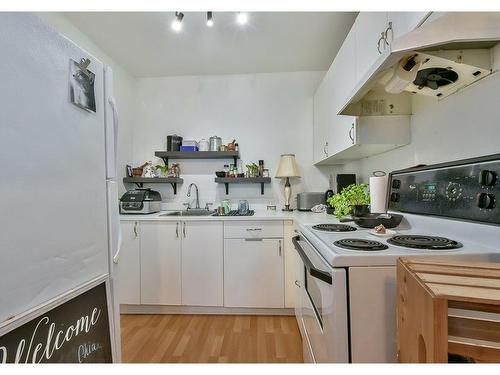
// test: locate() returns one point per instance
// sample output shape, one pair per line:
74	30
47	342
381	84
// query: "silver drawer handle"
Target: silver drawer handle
253	229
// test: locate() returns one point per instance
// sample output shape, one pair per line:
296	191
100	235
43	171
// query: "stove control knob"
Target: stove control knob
396	184
485	200
395	197
487	178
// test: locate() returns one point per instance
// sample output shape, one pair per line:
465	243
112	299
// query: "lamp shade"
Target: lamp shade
287	167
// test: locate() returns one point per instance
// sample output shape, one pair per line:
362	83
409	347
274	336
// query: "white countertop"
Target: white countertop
300	217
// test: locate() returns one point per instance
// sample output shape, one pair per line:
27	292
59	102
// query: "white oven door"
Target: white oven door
324	305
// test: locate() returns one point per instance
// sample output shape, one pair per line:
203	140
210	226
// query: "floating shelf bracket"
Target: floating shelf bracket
165	160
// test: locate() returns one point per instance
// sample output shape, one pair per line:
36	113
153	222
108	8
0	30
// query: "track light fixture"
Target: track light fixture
242	18
210	19
177	22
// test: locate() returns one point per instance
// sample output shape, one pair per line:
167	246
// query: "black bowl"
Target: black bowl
220	174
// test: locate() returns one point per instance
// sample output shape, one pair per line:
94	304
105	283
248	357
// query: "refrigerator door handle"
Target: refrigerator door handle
112	103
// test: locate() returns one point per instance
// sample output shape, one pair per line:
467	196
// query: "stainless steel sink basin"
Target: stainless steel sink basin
193	212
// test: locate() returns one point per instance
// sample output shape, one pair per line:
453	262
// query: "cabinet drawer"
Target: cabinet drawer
253	229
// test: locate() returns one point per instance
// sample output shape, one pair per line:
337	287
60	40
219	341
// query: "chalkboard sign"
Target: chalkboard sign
76	331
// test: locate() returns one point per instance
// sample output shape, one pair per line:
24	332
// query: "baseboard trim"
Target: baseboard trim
205	310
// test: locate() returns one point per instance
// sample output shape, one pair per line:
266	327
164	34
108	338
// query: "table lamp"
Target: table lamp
286	169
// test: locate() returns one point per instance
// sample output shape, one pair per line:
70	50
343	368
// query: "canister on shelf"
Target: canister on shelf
174	142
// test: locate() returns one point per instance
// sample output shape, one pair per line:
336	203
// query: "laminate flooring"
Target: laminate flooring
210	338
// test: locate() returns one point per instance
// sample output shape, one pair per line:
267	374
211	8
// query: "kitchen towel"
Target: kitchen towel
378	194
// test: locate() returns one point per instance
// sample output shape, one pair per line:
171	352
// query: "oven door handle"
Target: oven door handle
313	271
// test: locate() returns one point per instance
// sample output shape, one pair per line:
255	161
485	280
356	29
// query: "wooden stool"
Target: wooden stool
427	330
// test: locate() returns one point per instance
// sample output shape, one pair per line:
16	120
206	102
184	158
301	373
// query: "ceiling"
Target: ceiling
144	43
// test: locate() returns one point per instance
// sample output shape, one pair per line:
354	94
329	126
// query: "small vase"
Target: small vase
359	210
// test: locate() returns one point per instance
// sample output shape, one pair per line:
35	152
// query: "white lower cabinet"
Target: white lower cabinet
253	273
207	263
202	263
128	270
160	263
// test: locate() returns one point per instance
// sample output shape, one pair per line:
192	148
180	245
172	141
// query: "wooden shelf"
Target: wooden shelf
243	180
140	181
165	155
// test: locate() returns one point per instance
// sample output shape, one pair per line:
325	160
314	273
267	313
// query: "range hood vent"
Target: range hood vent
437	60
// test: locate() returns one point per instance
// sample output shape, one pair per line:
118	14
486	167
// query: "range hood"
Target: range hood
437	59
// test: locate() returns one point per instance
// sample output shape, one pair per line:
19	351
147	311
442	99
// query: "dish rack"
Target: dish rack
236	213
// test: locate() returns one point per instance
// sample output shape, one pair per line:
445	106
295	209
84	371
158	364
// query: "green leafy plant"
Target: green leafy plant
252	169
163	169
352	195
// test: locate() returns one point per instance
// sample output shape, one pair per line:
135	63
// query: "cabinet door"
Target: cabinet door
160	263
320	126
343	76
128	269
202	263
404	22
253	273
342	134
368	28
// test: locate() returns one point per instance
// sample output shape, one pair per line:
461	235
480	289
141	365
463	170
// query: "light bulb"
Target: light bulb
210	19
176	25
242	18
177	22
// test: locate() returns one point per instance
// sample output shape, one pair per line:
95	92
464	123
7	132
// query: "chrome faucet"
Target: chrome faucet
197	195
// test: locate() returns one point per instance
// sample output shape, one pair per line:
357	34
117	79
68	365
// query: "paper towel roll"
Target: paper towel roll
378	194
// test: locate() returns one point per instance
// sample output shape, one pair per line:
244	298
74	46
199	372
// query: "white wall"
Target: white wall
466	124
123	82
268	115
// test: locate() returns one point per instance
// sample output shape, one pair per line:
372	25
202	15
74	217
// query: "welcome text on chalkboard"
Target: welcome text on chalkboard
76	331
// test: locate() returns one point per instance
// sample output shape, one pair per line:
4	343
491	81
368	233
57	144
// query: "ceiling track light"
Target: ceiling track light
210	19
177	22
242	18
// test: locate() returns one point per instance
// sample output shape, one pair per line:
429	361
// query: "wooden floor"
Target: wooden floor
210	338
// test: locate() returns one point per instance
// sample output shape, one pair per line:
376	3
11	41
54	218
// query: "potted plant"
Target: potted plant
353	200
163	170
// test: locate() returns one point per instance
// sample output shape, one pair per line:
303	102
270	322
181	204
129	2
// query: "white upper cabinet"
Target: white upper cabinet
320	125
368	42
404	22
369	135
160	263
202	263
337	83
375	32
342	74
369	30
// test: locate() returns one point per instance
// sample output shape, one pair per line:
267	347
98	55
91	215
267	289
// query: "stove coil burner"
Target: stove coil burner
360	244
334	227
424	242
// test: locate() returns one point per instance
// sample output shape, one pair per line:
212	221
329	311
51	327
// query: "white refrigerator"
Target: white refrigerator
59	223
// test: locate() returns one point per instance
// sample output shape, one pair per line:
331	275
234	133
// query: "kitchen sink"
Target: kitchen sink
193	212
